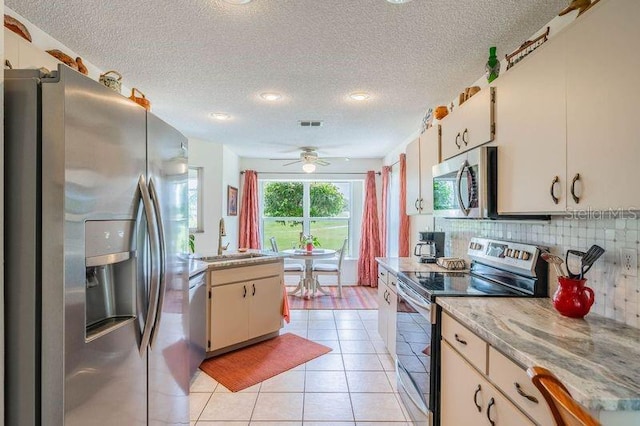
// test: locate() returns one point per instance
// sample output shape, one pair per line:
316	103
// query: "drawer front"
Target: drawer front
245	273
508	377
383	274
473	348
392	282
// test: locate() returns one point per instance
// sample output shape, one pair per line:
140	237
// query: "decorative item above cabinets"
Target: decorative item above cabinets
471	125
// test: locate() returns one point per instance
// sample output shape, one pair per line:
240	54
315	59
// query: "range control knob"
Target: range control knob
509	252
525	255
516	254
472	245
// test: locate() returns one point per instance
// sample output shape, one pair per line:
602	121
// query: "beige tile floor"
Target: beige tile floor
354	385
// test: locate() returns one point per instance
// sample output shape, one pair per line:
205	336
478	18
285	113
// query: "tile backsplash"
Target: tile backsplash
617	294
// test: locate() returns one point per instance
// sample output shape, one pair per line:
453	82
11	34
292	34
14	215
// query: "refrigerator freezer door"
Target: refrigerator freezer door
103	155
168	352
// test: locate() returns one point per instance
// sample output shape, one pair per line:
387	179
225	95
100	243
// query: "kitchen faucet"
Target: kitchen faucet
221	233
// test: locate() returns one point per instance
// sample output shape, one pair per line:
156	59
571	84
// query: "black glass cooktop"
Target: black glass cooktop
437	284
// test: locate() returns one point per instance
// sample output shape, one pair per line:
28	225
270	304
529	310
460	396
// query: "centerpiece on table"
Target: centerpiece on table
308	242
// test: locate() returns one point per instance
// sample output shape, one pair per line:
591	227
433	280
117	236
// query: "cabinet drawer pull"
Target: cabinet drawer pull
464	139
555	180
254	290
576	178
459	340
456	141
492	402
475	399
244	294
523	394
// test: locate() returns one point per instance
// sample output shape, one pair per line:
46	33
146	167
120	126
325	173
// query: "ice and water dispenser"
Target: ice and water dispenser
110	276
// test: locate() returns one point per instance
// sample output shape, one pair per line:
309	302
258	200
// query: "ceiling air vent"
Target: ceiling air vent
310	123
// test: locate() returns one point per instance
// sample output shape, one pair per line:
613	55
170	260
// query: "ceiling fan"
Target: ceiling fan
309	159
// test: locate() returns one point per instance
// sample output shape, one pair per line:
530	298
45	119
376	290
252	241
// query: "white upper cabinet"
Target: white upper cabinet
470	125
422	154
530	108
603	88
25	55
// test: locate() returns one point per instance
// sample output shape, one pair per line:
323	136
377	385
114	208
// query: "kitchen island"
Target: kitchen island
597	359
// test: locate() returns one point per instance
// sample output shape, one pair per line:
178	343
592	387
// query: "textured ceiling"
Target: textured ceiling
193	57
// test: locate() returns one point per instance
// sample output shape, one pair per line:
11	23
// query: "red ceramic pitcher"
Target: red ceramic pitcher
572	298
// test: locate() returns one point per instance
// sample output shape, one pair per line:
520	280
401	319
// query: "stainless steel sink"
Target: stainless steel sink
228	257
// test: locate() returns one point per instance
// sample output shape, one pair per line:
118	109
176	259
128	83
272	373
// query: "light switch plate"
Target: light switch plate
629	262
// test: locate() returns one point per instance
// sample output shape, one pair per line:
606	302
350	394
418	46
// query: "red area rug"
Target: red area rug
353	297
248	366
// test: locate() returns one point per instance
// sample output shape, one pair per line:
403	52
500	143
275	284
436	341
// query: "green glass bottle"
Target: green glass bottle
493	65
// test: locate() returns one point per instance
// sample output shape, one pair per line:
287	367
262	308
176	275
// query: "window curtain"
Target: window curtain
370	235
403	242
384	216
249	212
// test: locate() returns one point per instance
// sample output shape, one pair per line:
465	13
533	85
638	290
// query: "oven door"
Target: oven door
413	351
459	185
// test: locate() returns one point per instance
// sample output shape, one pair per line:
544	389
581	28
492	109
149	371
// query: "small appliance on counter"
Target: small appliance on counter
430	247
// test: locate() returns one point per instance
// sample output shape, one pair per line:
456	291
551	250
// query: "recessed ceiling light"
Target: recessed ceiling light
271	96
220	116
398	1
359	96
238	1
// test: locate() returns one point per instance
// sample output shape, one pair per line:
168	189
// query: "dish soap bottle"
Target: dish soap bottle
493	65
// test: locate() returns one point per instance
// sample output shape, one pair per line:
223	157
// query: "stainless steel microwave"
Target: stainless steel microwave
466	186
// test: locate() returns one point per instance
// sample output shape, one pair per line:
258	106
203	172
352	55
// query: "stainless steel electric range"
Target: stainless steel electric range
498	269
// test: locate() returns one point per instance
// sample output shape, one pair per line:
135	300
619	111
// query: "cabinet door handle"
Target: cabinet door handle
456	141
421	201
555	180
475	399
254	289
465	140
244	294
492	402
459	340
576	178
523	394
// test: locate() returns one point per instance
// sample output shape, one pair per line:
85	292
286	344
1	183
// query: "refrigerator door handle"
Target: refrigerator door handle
163	253
155	277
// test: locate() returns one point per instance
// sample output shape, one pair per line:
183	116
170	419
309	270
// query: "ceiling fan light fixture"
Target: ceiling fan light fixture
271	96
309	167
222	116
359	96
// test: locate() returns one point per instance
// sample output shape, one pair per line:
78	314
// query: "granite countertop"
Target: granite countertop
235	259
598	359
196	266
410	264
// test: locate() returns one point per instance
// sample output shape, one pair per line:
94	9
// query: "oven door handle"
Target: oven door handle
463	166
413	300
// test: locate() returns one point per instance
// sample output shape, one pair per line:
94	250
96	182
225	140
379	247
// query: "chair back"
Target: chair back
566	411
341	256
274	244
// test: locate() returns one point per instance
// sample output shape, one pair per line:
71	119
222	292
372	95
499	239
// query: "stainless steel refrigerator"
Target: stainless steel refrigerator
95	234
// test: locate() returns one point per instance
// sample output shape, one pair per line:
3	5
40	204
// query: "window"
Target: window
321	208
195	199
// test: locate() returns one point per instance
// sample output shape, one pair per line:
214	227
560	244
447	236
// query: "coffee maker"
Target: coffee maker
430	247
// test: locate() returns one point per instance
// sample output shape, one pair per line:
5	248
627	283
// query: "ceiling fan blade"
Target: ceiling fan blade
281	159
322	162
293	162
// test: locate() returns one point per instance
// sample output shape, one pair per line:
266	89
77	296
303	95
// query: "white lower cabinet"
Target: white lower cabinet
468	398
477	383
245	303
387	301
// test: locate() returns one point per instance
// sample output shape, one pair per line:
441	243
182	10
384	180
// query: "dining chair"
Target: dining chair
290	267
565	410
331	268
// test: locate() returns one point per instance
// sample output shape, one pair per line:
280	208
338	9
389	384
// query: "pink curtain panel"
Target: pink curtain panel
384	215
370	235
249	212
403	241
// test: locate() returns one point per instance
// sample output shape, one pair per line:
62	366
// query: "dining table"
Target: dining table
308	287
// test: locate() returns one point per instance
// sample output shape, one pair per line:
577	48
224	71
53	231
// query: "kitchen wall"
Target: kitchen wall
220	168
617	295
